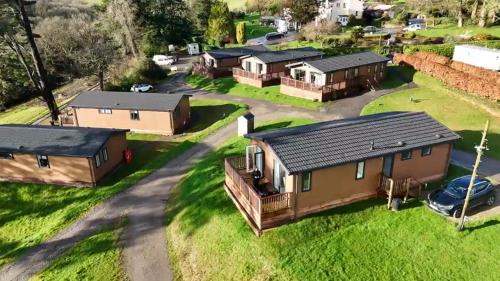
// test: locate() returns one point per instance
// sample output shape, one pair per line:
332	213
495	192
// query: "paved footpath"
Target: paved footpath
143	239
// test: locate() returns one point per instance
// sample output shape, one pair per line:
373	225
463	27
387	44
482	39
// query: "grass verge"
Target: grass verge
453	29
31	213
448	106
98	257
209	239
227	85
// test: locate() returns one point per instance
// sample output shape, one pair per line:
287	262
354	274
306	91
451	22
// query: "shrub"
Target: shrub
445	49
300	37
411	35
483	37
240	33
141	70
357	33
346	42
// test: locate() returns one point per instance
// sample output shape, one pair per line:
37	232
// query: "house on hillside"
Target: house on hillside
340	10
289	173
59	155
164	114
334	77
219	63
266	68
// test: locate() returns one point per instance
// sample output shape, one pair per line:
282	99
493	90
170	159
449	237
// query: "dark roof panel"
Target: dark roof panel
347	61
337	142
287	55
52	140
236	52
127	100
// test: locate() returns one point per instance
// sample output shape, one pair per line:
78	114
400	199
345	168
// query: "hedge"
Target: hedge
447	48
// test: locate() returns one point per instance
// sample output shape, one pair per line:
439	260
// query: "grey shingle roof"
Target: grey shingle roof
51	140
342	62
337	142
127	100
287	55
236	52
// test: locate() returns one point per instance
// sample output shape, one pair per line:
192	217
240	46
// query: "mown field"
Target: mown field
208	238
461	112
31	213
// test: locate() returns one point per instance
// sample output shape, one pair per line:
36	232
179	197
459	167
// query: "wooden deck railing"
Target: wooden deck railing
399	187
255	206
255	76
325	89
210	71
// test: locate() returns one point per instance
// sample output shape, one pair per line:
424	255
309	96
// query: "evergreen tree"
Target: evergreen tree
240	33
220	24
201	13
304	11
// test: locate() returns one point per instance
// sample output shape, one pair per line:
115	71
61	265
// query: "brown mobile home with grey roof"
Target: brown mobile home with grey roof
219	63
263	69
289	173
334	77
164	114
59	155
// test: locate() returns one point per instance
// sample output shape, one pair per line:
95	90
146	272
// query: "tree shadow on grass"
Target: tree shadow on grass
205	116
482	225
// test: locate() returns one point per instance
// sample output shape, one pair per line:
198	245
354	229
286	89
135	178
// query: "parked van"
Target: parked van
193	49
163	60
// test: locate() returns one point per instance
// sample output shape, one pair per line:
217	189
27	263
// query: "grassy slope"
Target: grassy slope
95	258
209	239
446	106
451	29
31	213
235	4
227	85
253	27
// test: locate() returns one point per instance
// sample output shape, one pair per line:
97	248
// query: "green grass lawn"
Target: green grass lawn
95	258
235	4
208	238
253	27
450	107
22	114
227	85
31	213
452	29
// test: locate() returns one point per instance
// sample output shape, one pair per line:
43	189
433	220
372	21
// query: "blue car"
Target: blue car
449	200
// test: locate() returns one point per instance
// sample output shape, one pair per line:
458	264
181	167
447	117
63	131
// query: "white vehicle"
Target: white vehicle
141	88
282	26
193	49
414	27
370	29
162	60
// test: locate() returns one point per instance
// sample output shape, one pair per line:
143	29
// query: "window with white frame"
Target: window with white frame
426	150
105	111
356	72
376	67
97	158
105	155
306	181
134	114
5	155
369	68
346	74
43	161
360	170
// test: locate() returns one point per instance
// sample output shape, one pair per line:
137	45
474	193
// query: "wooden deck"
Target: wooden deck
261	212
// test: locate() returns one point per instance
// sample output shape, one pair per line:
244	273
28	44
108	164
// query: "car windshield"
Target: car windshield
457	188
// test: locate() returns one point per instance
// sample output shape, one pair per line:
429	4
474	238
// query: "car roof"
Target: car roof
465	180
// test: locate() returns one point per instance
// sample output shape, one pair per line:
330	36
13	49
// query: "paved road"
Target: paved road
488	167
145	253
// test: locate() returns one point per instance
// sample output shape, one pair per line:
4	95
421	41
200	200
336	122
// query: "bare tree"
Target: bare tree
122	14
38	76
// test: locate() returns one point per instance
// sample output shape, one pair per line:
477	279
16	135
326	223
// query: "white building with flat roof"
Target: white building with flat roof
478	56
